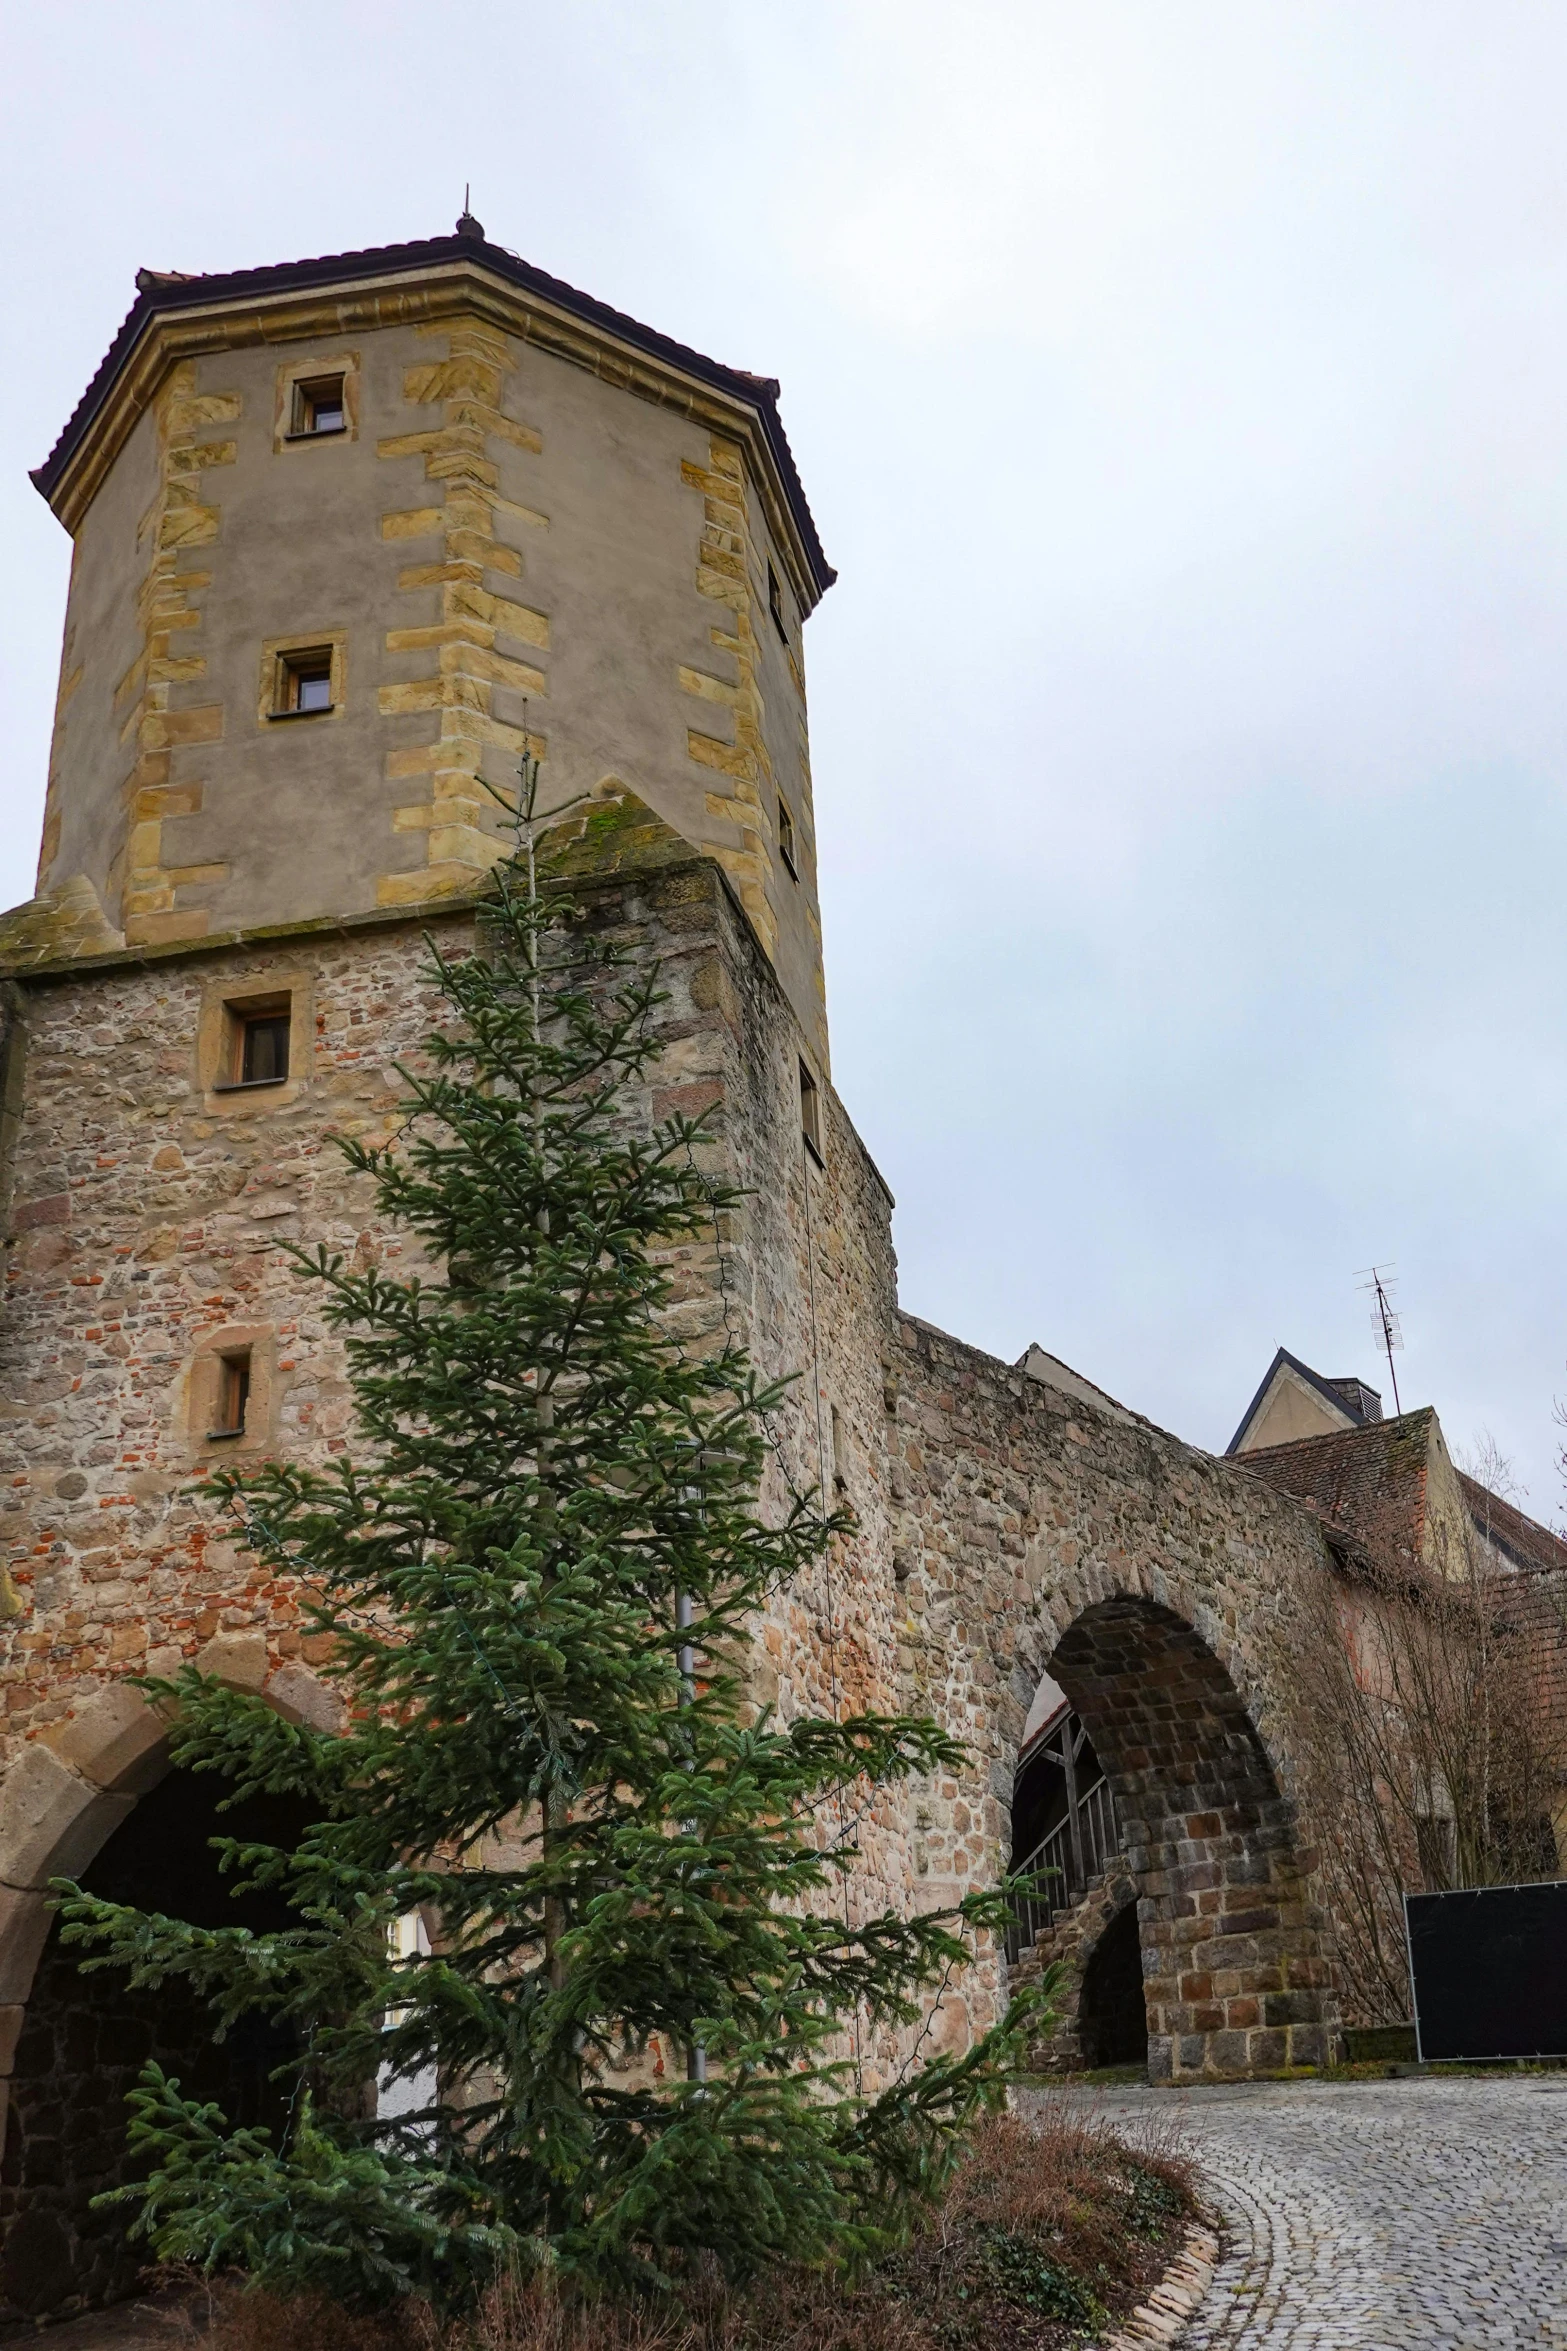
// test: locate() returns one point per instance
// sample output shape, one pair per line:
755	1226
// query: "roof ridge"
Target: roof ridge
1364	1431
1533	1530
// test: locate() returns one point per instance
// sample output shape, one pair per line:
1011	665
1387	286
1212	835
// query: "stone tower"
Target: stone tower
339	525
347	532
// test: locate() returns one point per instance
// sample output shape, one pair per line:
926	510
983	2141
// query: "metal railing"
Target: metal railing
1067	1866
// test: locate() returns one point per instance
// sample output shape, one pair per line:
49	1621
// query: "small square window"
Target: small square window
775	603
257	1046
233	1394
318	407
810	1114
786	836
304	683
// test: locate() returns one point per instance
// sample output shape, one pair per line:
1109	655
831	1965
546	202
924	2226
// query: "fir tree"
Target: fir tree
540	1574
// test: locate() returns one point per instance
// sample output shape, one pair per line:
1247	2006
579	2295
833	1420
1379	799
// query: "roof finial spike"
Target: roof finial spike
467	226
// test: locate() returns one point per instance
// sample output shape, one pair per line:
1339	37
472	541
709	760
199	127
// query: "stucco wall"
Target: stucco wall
85	816
498	529
1293	1411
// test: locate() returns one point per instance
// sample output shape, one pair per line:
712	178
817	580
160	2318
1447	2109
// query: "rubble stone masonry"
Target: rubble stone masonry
1003	1527
1035	1532
535	522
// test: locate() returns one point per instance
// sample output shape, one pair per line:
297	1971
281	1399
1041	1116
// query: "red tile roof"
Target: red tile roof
1369	1482
1527	1543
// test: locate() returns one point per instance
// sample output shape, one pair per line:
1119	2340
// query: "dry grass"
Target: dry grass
1051	2230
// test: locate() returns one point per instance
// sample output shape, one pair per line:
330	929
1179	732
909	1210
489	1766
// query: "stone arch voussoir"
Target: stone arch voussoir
1238	1977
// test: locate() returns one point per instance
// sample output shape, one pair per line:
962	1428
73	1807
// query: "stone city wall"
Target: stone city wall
1037	1532
1001	1527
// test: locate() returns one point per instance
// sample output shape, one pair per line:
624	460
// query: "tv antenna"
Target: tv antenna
1384	1321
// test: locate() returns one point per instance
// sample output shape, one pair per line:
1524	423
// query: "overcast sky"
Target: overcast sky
1181	391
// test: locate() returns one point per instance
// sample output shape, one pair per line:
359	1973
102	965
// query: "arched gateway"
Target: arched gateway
1050	1533
102	1803
1232	1953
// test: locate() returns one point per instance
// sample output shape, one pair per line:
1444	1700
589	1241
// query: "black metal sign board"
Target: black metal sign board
1488	1972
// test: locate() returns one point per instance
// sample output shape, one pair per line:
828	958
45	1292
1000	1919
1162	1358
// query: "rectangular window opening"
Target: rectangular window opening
318	408
786	836
775	603
304	683
810	1114
233	1393
263	1051
258	1041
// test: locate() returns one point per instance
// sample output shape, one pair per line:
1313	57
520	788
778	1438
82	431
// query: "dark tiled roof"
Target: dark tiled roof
160	291
1526	1542
1369	1483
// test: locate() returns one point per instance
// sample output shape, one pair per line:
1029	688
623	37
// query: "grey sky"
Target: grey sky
1182	395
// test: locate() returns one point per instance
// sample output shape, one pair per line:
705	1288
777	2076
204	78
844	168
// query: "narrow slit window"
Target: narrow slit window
304	683
233	1394
786	836
318	408
810	1114
775	603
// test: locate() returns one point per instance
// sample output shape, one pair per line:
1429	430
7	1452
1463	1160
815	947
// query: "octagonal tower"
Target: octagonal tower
345	529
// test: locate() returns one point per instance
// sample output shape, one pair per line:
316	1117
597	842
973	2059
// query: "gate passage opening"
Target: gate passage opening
1153	1756
1064	1828
85	2038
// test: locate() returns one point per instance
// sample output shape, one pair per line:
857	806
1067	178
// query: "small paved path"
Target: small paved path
1376	2216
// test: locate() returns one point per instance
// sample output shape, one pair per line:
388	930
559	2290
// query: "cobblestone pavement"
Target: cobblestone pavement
1377	2216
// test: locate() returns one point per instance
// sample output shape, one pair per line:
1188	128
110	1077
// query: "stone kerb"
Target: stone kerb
69	1790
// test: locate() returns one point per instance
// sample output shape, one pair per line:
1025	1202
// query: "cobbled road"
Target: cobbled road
1376	2216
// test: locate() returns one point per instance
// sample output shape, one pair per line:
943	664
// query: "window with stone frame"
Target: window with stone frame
318	408
258	1033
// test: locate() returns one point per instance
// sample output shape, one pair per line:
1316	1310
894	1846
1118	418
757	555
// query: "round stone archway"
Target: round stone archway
67	1793
1236	1973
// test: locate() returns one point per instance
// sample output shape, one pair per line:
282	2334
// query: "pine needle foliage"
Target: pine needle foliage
627	2050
